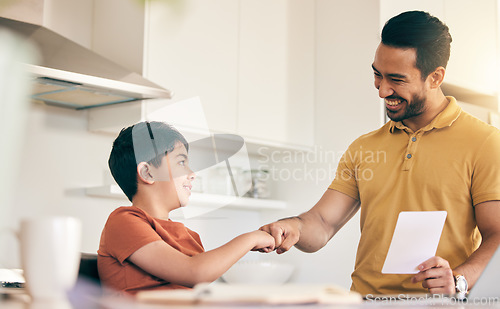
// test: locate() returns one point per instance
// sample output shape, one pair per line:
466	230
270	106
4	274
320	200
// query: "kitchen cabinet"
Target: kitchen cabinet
250	61
276	70
193	47
472	72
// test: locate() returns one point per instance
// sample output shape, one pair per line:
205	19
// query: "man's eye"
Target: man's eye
399	81
182	163
377	74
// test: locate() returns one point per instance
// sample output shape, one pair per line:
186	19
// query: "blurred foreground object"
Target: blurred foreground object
14	100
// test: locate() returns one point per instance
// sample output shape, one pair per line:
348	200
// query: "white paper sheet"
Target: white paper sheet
415	240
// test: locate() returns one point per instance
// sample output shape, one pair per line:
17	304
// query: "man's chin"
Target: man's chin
394	117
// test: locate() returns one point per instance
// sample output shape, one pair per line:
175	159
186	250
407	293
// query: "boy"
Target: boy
140	247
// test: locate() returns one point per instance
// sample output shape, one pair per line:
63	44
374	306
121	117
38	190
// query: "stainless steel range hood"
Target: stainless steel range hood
73	76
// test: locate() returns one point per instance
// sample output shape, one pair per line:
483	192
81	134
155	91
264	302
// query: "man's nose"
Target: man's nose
384	89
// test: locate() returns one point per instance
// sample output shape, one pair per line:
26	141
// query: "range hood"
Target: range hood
70	75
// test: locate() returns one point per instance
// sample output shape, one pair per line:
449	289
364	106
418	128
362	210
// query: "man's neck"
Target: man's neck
434	106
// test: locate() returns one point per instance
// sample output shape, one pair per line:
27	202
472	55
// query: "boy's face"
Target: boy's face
175	166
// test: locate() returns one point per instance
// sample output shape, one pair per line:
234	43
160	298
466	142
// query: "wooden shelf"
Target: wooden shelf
199	199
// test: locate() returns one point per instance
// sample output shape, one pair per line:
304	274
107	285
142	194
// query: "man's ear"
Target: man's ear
436	78
144	172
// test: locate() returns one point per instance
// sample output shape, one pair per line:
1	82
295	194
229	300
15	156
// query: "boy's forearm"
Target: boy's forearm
210	265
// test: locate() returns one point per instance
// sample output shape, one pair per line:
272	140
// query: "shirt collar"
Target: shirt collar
444	119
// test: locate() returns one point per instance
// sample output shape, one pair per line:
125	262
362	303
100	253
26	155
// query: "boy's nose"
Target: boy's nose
191	175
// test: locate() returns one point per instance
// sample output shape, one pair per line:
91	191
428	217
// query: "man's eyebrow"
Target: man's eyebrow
395	75
182	155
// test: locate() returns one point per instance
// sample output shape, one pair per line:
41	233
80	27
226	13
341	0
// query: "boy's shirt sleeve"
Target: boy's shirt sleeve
127	231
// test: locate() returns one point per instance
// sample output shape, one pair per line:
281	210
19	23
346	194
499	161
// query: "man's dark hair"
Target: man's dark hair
143	142
428	35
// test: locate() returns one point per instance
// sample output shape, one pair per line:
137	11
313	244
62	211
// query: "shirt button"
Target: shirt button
408	156
413	139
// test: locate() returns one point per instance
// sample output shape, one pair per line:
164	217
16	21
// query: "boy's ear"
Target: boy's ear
144	172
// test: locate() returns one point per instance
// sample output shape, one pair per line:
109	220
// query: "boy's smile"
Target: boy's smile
181	173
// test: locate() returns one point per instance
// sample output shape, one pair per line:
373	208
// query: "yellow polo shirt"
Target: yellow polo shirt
451	164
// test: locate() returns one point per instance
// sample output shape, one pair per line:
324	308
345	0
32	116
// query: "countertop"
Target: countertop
87	296
17	302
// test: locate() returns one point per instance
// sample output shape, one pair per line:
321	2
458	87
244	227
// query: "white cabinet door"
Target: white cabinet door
251	62
191	47
276	70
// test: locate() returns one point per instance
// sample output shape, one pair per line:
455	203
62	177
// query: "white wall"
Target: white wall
59	158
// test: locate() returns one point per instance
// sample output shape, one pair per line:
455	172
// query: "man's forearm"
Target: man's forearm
476	263
314	234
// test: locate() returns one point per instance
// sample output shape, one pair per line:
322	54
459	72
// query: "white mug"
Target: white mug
50	255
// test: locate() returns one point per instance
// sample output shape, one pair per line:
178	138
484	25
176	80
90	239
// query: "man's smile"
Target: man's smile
393	104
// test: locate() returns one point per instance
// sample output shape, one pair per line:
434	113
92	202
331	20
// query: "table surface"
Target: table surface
24	302
87	296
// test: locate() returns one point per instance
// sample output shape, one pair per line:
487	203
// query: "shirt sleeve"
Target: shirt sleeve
126	232
486	175
345	177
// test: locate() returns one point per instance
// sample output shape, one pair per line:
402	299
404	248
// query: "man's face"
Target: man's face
399	82
175	165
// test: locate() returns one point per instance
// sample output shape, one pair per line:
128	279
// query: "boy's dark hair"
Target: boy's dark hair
427	34
143	142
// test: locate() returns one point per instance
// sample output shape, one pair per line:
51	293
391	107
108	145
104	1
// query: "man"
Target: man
436	157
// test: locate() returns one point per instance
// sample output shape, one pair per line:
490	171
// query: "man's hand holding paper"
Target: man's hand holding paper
413	249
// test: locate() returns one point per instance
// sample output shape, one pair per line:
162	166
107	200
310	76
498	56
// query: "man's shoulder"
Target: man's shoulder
373	136
476	128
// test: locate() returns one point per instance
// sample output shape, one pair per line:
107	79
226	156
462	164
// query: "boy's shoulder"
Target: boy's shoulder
127	209
127	213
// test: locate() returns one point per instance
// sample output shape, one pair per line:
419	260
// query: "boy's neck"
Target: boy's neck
154	205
